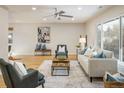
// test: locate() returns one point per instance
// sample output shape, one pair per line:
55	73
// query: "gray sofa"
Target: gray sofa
96	67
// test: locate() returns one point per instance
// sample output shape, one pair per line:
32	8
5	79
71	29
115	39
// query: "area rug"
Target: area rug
76	78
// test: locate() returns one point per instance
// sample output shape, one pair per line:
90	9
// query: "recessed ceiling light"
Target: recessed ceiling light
101	6
44	19
79	8
72	19
34	8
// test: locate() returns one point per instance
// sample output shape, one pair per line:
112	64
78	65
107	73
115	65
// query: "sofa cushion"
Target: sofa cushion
61	53
108	54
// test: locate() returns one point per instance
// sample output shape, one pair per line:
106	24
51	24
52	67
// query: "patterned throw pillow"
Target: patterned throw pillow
61	57
99	55
83	51
88	52
110	77
61	49
43	47
38	47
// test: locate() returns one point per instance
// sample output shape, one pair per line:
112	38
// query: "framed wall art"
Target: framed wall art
43	34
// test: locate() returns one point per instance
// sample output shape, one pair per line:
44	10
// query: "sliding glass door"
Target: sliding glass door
111	36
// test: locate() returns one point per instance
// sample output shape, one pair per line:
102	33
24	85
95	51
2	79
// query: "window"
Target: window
99	28
111	36
122	37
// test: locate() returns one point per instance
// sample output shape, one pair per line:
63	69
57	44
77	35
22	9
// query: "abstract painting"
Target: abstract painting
43	34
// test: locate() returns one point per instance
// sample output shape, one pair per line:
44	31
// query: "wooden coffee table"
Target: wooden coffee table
57	64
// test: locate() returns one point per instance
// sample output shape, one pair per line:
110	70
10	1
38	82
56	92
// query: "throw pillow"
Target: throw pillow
61	49
103	56
20	68
88	52
44	47
83	51
109	77
94	53
99	55
119	77
122	74
38	47
11	62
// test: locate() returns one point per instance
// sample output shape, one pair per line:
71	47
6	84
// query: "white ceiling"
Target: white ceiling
25	14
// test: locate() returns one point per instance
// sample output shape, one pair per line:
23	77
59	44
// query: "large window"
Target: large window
99	28
122	37
111	36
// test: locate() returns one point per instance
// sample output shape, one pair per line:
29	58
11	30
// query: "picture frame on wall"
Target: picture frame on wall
43	34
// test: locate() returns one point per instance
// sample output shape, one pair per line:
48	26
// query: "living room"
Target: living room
22	26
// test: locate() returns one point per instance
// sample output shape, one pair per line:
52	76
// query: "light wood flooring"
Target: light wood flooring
33	62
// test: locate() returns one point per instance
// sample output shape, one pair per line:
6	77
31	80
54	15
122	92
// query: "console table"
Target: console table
43	52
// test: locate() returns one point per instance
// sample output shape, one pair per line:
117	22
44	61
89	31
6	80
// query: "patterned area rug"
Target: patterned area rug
76	79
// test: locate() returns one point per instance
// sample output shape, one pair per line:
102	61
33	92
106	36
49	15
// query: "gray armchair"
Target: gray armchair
57	53
13	80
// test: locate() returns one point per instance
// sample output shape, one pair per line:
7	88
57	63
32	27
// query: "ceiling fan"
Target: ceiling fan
59	14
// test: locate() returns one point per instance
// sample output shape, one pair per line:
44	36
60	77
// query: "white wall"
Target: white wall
25	37
90	26
3	34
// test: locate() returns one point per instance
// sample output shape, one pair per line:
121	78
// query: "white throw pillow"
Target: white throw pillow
88	52
61	49
20	68
11	62
95	53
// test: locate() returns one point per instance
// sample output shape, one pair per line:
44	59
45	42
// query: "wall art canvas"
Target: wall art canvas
43	34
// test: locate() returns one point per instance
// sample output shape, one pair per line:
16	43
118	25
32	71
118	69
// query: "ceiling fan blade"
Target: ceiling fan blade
66	16
48	16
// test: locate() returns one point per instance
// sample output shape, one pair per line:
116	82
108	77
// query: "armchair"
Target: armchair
65	50
13	80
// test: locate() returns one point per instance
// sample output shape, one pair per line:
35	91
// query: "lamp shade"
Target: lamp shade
82	40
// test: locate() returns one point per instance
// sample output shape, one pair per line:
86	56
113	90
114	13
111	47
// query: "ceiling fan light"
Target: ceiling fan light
72	19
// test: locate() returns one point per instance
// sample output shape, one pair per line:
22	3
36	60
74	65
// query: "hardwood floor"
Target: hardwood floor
33	62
